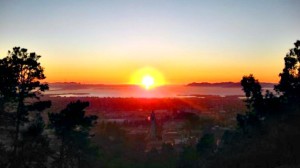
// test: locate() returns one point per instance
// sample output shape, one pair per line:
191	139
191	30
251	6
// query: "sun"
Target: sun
148	81
148	78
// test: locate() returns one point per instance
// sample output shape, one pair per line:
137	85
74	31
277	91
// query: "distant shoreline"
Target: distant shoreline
226	84
202	84
190	90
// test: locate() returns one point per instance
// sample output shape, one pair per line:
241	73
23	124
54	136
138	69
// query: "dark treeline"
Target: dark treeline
267	132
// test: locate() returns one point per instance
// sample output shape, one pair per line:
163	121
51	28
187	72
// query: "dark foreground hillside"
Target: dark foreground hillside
275	143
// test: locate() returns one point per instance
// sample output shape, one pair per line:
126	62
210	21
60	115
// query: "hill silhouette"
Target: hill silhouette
226	84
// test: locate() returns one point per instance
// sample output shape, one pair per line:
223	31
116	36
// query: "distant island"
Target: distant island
75	85
226	84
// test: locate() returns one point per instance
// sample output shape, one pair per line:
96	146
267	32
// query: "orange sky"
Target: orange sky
195	41
174	72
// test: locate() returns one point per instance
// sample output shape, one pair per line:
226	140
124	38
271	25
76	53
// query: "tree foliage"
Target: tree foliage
20	91
21	74
254	98
20	79
254	102
275	143
20	83
289	84
72	127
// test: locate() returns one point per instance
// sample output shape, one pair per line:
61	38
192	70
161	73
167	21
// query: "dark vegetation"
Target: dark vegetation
267	132
24	140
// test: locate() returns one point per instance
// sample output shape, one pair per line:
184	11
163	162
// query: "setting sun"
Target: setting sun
148	77
147	81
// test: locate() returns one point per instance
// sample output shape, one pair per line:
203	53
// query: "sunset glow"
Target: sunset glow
149	83
187	41
148	77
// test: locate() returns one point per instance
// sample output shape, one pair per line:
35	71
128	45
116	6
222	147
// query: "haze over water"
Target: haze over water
137	91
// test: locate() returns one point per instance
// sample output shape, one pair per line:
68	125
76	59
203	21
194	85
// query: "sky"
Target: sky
185	41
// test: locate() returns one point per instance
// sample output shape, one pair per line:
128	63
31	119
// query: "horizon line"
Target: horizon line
161	85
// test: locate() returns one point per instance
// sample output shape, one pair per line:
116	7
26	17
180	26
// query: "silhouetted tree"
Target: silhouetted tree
72	128
20	78
289	84
35	146
252	89
276	143
8	83
254	102
8	78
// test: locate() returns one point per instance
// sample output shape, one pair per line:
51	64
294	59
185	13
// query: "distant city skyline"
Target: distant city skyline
111	42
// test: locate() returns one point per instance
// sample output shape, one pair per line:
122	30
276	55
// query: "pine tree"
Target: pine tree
20	84
72	128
